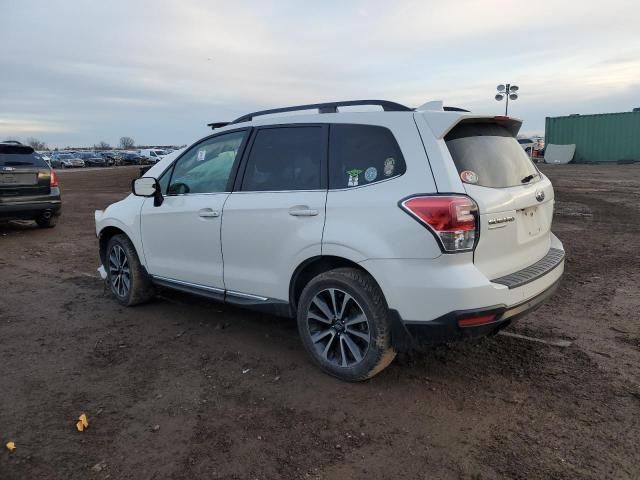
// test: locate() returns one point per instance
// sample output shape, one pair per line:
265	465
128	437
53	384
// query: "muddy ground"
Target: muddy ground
183	388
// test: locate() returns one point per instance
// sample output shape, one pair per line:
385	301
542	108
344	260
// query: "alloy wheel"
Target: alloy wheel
119	271
338	327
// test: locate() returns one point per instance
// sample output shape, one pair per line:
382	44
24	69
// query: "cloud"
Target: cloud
160	70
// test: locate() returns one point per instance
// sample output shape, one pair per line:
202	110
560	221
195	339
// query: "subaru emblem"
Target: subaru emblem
540	195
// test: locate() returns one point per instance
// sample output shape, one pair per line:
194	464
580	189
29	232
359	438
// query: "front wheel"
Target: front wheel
127	279
343	324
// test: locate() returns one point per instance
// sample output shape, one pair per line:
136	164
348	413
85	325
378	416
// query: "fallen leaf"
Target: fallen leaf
83	422
11	446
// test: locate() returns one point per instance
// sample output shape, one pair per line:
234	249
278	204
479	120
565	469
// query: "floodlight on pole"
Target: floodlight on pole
508	92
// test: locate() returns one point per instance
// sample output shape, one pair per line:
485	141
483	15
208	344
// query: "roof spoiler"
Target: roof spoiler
441	122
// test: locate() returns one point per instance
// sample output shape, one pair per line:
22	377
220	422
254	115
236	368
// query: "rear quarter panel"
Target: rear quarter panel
366	222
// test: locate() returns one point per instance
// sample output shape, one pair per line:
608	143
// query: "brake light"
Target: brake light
501	118
452	219
54	179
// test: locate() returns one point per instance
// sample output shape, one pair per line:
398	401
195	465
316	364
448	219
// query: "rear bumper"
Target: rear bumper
427	297
30	207
409	334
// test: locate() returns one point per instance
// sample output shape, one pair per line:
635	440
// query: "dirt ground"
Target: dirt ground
184	388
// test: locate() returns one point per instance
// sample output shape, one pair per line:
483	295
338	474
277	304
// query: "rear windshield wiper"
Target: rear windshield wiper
528	178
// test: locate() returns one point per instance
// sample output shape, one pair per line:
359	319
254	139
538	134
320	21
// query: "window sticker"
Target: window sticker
353	177
469	176
202	154
370	174
389	166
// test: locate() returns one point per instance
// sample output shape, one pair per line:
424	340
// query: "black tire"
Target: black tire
139	288
44	222
337	359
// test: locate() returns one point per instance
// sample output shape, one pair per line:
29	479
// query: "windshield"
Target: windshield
488	155
65	156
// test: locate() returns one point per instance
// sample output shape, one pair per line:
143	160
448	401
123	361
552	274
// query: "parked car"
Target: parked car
152	155
110	158
527	144
375	230
129	158
28	186
66	160
92	159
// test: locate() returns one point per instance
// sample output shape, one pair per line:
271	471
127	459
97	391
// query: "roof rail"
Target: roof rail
330	107
215	125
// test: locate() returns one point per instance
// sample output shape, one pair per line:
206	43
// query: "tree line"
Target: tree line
125	143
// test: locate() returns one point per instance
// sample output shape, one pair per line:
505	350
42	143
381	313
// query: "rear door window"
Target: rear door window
362	154
286	158
488	155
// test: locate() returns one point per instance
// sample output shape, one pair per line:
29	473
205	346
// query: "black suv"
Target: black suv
28	186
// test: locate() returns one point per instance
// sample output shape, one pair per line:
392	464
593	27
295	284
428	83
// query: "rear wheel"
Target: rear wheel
44	221
343	324
127	279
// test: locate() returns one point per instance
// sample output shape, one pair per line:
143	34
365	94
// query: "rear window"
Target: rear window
20	156
488	155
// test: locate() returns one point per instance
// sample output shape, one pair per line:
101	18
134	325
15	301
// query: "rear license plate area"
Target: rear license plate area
530	222
15	179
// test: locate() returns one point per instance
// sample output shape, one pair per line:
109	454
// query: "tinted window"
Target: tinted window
491	154
20	156
206	167
362	154
287	158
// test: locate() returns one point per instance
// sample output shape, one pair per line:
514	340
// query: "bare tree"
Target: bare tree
127	142
102	146
36	144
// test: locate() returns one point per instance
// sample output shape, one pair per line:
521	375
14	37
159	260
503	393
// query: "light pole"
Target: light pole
507	91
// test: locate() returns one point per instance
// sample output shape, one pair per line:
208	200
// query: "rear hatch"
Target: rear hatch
22	173
515	200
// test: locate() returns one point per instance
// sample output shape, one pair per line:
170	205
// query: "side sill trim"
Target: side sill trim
171	281
247	296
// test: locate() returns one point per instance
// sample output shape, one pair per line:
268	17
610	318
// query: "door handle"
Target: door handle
303	211
208	213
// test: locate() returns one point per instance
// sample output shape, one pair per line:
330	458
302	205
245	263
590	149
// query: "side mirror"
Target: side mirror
145	187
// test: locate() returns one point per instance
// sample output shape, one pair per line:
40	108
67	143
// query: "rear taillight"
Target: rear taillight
54	179
452	219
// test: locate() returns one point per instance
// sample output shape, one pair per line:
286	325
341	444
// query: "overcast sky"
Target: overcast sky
77	72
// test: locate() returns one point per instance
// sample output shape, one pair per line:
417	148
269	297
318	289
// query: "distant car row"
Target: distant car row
533	146
79	159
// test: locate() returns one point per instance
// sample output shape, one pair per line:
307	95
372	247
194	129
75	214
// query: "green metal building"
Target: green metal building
606	137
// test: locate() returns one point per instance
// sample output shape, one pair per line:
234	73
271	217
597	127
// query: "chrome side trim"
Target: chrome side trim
247	295
188	284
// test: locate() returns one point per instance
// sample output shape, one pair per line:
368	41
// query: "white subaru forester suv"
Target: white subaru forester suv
377	230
